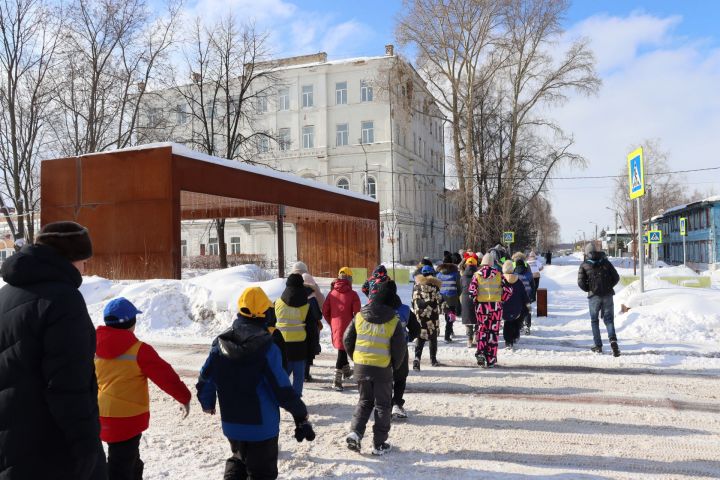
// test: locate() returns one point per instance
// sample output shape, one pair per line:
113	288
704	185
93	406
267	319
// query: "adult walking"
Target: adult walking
49	419
598	277
469	318
535	268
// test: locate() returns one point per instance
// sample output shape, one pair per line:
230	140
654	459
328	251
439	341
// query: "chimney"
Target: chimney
389	50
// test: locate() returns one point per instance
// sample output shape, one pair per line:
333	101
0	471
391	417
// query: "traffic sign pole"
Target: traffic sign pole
684	253
641	247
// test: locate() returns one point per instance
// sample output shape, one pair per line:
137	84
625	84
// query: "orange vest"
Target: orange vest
122	386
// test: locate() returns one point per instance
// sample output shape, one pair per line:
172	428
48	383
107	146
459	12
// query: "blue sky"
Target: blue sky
659	61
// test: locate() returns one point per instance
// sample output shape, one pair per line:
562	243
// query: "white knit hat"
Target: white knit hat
299	267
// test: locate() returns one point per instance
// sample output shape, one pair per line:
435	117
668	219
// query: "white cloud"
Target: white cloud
655	85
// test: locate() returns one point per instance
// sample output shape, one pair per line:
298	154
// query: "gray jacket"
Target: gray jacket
378	314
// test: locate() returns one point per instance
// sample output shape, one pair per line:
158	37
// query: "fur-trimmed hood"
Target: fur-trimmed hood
447	268
423	280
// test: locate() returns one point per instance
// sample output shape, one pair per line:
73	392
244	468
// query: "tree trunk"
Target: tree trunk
222	246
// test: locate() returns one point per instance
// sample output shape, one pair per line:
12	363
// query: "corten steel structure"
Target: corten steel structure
133	201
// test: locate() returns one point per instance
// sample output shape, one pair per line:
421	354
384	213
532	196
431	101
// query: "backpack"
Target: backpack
599	279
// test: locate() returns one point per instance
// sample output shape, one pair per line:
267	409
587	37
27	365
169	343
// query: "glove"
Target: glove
304	431
424	334
185	410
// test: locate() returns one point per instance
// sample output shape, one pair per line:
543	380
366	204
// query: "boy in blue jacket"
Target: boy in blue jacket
244	372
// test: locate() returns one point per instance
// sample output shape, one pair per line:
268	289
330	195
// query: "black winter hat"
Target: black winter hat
386	293
69	239
294	280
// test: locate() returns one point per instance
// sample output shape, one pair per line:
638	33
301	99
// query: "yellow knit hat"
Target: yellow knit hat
253	303
345	271
471	261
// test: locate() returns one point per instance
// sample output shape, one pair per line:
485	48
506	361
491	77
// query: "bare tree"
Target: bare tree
28	42
111	50
231	79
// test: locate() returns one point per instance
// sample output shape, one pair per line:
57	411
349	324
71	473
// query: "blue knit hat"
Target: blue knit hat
427	270
120	313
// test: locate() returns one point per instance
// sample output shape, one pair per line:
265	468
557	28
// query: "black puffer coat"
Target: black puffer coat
467	307
49	425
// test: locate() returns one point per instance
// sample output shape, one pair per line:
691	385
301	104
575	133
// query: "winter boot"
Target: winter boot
382	449
353	440
596	349
434	362
399	412
615	349
347	371
337	382
480	360
448	336
416	364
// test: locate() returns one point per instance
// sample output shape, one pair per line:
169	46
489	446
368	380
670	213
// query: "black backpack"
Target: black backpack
599	278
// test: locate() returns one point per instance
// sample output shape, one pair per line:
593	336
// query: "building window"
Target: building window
284	140
214	247
154	117
366	91
368	132
234	245
263	144
341	93
341	135
261	104
210	110
371	187
181	115
307	96
343	183
284	99
308	136
183	248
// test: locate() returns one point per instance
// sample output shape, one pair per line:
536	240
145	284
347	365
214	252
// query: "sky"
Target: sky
659	61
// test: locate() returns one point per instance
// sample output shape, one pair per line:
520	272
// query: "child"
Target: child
411	328
244	372
450	290
123	365
514	307
427	304
341	305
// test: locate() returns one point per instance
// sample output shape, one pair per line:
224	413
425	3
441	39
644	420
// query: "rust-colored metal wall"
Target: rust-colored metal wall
131	202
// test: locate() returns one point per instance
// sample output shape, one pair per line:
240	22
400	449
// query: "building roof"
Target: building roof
713	199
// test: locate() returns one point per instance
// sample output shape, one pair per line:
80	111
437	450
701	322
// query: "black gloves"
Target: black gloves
304	431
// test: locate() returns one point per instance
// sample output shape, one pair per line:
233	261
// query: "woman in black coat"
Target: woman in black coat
466	301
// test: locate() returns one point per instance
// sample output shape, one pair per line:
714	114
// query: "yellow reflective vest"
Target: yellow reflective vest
372	344
489	289
291	321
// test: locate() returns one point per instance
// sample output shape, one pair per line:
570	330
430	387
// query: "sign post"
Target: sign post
508	239
683	234
636	183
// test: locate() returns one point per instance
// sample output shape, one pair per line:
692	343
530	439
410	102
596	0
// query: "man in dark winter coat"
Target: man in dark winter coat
376	342
49	422
598	277
244	372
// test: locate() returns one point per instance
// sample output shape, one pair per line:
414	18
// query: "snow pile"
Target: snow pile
669	313
678	271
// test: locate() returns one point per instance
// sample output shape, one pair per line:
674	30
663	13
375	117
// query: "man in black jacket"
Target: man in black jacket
49	425
597	277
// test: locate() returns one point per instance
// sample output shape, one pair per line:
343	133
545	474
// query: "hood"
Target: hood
379	270
377	313
38	264
422	280
245	340
113	342
469	271
510	277
447	268
595	257
295	296
342	286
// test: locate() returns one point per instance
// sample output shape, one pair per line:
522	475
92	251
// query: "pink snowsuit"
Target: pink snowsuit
489	316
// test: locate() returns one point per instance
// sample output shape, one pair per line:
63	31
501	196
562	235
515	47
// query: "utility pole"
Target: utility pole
365	183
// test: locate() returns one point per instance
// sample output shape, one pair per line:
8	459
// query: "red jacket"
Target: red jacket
123	365
341	305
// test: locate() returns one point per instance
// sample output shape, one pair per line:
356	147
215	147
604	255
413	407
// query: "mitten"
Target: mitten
304	431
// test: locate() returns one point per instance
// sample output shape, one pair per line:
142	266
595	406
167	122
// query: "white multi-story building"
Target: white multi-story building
365	124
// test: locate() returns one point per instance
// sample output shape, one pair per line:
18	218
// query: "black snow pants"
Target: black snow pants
124	460
252	460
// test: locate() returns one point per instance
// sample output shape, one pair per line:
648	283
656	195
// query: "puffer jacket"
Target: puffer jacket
451	287
516	303
427	303
525	275
49	423
466	300
341	305
597	276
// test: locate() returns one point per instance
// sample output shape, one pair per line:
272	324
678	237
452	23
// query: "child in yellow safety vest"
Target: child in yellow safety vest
123	365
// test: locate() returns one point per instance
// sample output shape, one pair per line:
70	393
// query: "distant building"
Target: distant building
703	234
621	236
350	123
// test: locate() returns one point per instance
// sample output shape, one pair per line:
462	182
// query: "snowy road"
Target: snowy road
551	410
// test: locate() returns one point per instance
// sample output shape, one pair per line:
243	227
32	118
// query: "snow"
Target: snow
182	150
552	409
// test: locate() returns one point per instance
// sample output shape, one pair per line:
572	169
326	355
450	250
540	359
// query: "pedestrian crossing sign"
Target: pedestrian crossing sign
636	173
508	238
654	237
683	226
